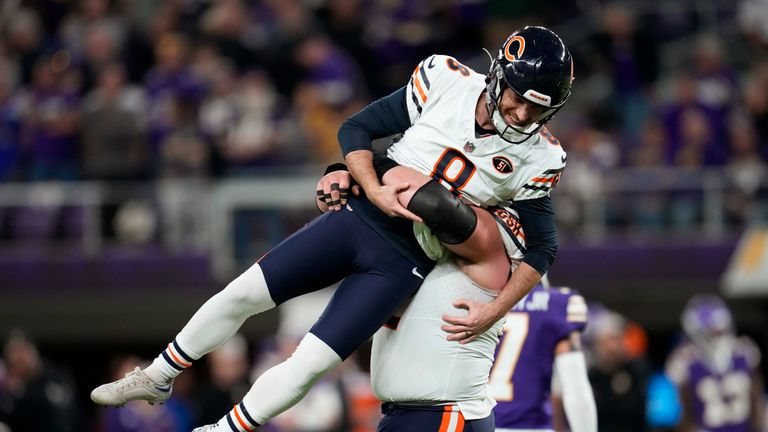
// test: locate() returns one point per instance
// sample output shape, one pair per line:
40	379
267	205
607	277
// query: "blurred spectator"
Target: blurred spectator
10	150
746	169
250	123
139	416
399	35
628	54
172	88
717	374
34	396
343	24
753	19
619	382
26	41
651	149
692	127
100	49
278	26
91	17
755	95
331	70
225	23
332	89
185	151
696	138
114	139
49	124
715	84
114	128
228	383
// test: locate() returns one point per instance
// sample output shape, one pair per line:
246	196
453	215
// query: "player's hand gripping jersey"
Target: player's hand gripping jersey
442	142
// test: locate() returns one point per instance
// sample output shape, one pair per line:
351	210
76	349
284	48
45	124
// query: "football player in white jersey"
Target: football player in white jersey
482	138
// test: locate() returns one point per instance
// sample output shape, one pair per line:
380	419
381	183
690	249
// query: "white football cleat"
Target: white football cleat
205	428
135	386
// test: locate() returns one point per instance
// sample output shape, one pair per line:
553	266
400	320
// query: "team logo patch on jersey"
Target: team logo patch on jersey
469	147
502	165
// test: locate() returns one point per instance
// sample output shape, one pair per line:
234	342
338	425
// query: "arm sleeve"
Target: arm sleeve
538	220
382	118
578	400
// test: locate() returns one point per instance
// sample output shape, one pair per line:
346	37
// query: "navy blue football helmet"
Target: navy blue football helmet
535	64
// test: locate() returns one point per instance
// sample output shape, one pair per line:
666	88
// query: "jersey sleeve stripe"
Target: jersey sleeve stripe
537	188
417	84
543	179
424	76
413	96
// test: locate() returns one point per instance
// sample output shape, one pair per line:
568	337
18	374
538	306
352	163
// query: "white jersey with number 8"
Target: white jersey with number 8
486	170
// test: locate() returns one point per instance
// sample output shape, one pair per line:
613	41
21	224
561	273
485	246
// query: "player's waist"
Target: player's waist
391	407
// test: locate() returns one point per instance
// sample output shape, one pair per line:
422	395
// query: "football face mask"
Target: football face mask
535	64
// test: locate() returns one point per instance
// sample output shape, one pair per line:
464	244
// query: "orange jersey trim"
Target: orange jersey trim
417	84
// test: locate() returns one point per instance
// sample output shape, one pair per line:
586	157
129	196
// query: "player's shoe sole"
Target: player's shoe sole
135	385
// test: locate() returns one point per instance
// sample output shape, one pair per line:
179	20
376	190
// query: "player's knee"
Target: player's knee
450	220
249	291
313	358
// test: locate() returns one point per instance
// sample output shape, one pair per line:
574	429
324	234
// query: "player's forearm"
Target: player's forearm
360	164
520	283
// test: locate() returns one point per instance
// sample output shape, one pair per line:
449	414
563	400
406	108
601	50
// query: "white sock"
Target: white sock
213	324
282	386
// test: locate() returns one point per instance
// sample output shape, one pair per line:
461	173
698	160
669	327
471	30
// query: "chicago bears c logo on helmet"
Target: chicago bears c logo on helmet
520	48
502	165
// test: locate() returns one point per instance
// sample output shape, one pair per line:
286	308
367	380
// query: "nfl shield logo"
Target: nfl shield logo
469	147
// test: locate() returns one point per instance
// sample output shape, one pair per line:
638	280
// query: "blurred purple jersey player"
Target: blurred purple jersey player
717	373
542	334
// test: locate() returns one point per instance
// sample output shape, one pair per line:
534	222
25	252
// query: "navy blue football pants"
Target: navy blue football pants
402	418
377	278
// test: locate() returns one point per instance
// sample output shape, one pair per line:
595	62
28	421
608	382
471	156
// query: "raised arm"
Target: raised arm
382	118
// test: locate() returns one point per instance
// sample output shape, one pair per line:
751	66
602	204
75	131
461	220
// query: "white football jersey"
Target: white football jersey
441	97
411	359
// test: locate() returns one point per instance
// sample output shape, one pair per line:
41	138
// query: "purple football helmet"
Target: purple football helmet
708	323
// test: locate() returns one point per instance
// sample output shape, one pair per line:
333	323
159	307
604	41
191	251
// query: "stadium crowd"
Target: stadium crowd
117	90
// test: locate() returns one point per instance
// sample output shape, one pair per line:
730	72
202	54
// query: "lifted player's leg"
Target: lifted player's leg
303	265
212	325
469	232
361	304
